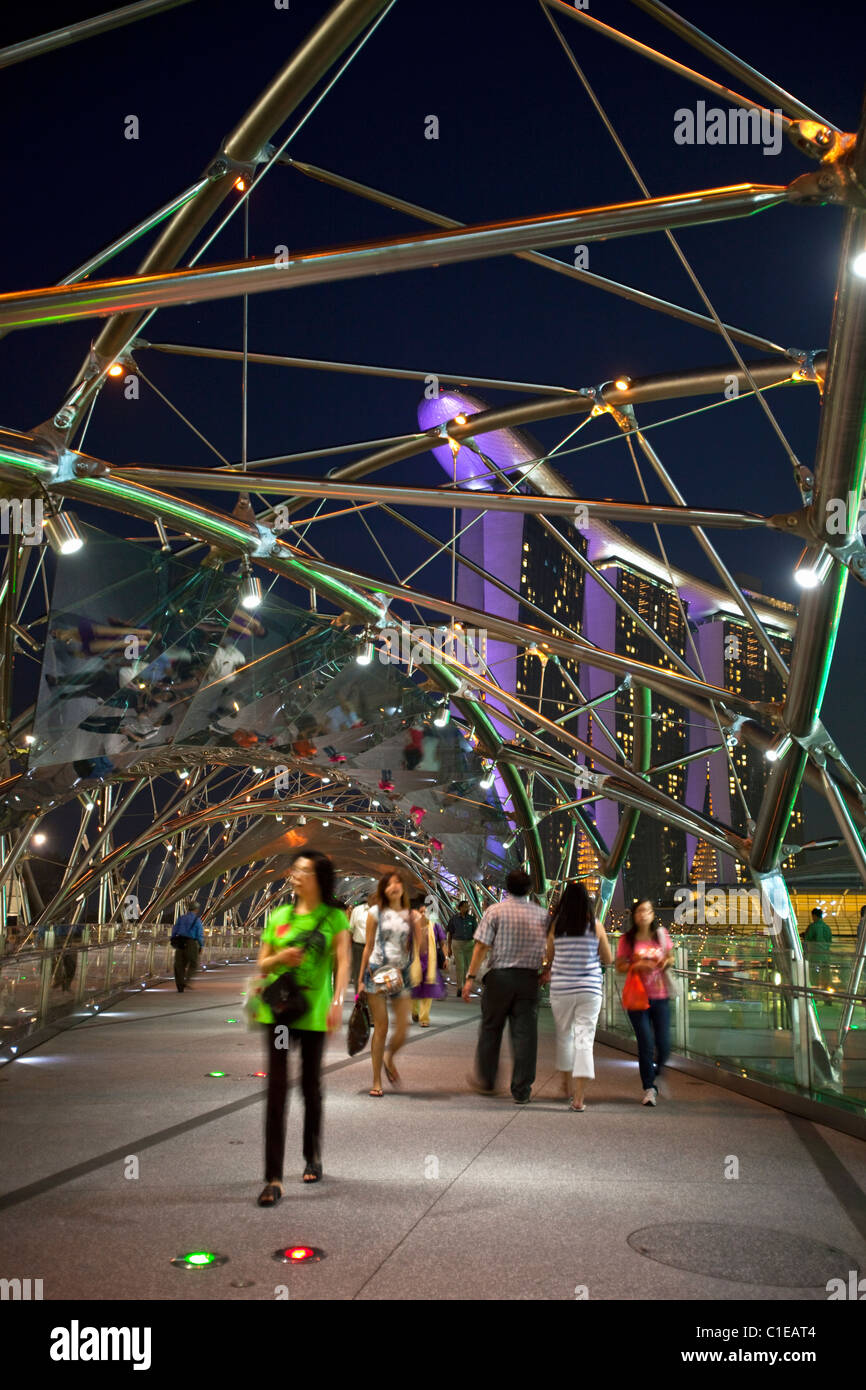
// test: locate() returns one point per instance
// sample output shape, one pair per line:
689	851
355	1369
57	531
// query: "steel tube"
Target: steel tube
137	231
296	79
839	472
730	62
647	301
102	299
468	500
716	561
270	359
85	29
653	54
642	705
701	381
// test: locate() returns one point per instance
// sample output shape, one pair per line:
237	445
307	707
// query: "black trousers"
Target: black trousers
509	995
185	961
312	1046
357	953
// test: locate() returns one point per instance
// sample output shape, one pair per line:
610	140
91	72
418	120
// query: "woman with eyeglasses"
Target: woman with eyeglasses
647	949
310	938
393	944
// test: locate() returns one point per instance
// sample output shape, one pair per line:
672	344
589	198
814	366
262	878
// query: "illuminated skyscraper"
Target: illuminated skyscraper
698	621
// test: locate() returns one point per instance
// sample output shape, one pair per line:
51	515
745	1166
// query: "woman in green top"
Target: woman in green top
322	971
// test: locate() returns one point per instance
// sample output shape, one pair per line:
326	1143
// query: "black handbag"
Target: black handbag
360	1023
285	996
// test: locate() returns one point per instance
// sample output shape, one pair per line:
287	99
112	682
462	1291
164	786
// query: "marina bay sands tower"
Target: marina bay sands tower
697	621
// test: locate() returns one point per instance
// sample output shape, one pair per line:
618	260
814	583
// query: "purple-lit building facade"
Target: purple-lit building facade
520	552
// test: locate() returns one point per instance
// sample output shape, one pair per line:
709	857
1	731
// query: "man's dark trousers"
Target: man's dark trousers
510	994
185	960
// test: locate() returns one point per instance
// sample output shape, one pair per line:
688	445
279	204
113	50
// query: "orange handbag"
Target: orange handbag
634	995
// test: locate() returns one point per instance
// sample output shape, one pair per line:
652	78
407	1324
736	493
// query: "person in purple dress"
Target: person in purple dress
432	984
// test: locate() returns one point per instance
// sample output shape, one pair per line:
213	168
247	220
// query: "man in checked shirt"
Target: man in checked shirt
514	932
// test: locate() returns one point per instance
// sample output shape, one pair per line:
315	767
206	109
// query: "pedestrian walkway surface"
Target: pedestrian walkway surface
118	1152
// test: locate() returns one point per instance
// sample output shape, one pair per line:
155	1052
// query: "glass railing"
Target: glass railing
765	1014
64	975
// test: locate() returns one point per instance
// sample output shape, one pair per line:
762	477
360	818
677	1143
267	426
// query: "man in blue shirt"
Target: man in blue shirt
187	938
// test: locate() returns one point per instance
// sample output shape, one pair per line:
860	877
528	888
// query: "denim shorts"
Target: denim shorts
371	988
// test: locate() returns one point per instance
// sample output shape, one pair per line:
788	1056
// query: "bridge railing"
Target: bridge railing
77	971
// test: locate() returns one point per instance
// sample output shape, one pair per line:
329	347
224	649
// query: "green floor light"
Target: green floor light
199	1259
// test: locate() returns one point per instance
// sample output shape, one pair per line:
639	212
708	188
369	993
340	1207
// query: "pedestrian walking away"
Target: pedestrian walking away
647	951
514	935
391	950
187	938
459	942
577	948
304	965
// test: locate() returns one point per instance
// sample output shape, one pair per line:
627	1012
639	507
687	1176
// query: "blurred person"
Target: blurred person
309	937
514	935
577	947
358	925
818	939
459	943
432	957
187	938
393	938
647	949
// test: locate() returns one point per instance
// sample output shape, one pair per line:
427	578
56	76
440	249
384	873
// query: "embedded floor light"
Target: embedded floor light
779	748
63	535
298	1254
810	573
365	652
199	1259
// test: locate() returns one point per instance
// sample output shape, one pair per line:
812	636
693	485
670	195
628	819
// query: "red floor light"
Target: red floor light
298	1254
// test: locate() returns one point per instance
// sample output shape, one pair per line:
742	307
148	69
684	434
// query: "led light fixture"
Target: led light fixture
810	573
251	589
63	534
779	748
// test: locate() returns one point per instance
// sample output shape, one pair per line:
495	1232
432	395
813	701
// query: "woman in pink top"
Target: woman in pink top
647	948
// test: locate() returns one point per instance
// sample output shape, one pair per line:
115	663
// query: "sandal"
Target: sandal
392	1074
578	1109
376	1092
270	1195
425	1025
313	1172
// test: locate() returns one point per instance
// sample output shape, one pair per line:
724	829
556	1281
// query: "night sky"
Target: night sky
518	136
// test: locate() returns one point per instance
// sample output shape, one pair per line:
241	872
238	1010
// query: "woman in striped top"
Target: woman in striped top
577	947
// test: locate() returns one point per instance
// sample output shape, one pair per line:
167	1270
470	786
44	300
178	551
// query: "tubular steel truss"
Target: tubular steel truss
204	821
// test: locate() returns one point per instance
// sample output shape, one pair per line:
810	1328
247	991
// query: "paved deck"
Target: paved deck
432	1192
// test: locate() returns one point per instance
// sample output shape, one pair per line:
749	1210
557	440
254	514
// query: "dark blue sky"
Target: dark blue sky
517	136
